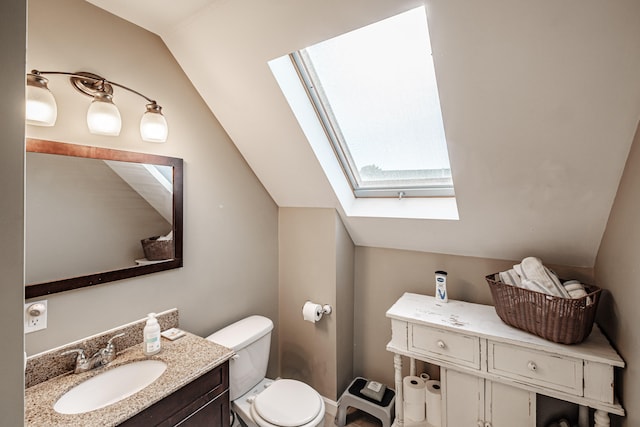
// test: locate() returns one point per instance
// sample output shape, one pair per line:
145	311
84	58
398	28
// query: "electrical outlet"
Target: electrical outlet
35	316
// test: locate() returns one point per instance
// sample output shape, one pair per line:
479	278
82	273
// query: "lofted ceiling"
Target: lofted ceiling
540	102
149	182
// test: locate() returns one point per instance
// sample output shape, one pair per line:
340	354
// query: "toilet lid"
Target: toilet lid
288	403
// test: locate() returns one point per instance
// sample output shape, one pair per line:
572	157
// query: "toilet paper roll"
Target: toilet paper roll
434	399
414	398
311	312
425	377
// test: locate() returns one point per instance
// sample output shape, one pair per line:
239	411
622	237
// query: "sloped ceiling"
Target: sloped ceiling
149	183
540	102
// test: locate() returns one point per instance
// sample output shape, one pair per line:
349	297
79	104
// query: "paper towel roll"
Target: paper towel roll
414	398
434	398
311	312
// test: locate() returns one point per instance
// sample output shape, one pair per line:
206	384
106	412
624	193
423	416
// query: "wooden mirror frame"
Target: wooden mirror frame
74	150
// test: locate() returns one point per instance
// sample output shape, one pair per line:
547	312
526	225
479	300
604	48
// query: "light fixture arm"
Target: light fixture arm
90	84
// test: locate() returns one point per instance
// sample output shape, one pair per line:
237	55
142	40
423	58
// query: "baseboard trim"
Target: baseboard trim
330	406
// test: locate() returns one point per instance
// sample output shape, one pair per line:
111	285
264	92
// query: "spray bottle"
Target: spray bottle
441	286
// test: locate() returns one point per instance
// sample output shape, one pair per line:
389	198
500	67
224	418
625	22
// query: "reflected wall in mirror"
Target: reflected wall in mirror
87	210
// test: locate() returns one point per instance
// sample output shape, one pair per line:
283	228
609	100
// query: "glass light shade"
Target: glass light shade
41	108
153	125
103	117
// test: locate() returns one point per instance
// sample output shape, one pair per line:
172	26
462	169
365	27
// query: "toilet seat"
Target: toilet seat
288	403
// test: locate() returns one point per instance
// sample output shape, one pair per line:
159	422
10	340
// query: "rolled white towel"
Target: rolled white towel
534	285
518	269
532	269
510	277
531	285
575	288
167	237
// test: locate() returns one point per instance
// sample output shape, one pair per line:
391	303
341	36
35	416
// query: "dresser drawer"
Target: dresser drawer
445	346
534	367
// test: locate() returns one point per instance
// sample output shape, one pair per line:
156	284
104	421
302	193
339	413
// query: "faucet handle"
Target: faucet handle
79	351
80	358
108	353
110	346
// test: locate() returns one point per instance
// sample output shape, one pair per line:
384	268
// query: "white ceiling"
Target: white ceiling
540	101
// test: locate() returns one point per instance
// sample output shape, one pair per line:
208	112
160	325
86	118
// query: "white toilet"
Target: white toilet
259	401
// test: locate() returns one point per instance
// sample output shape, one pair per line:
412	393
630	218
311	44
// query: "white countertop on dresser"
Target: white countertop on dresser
482	320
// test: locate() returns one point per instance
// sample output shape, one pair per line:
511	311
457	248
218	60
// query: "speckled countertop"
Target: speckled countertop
187	358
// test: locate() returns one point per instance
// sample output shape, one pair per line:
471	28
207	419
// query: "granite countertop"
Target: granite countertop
187	358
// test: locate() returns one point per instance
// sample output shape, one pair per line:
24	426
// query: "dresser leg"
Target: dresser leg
583	416
601	419
397	365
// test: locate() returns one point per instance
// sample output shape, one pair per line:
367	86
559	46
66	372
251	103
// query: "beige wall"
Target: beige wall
230	222
12	50
383	275
345	300
310	242
616	269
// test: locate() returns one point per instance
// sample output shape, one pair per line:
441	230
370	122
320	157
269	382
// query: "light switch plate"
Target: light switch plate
32	322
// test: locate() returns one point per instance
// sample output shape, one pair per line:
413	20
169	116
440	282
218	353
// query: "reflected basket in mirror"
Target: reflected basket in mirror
156	249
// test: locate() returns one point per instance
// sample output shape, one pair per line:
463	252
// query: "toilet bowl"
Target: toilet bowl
280	403
257	400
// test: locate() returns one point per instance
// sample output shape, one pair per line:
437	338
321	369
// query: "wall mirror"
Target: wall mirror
88	209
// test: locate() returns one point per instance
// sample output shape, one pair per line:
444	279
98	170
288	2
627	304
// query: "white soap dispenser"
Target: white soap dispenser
151	336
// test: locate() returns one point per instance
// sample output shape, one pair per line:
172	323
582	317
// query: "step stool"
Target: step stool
384	411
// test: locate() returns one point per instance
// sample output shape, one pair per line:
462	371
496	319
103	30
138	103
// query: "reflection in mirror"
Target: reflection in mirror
88	215
88	210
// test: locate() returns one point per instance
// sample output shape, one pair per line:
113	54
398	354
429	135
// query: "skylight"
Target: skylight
375	92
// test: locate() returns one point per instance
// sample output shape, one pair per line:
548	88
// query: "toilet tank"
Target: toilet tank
250	339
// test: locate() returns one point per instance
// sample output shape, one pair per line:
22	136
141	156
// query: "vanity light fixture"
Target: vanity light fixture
103	117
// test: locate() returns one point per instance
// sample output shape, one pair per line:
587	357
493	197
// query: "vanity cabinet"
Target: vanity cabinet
202	402
469	401
491	372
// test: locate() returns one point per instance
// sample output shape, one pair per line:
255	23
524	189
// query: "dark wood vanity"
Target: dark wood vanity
202	402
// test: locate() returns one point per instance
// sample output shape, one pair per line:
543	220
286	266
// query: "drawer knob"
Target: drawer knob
532	366
441	344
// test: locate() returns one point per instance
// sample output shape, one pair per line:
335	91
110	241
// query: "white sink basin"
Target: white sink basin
109	387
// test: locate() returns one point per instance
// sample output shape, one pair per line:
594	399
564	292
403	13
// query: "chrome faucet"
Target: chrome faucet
108	353
102	357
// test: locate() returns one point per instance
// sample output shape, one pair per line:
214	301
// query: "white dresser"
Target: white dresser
490	372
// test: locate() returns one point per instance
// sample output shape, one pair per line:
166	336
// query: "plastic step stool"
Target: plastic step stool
384	411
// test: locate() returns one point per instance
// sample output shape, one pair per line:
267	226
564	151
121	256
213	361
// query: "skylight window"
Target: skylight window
375	92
